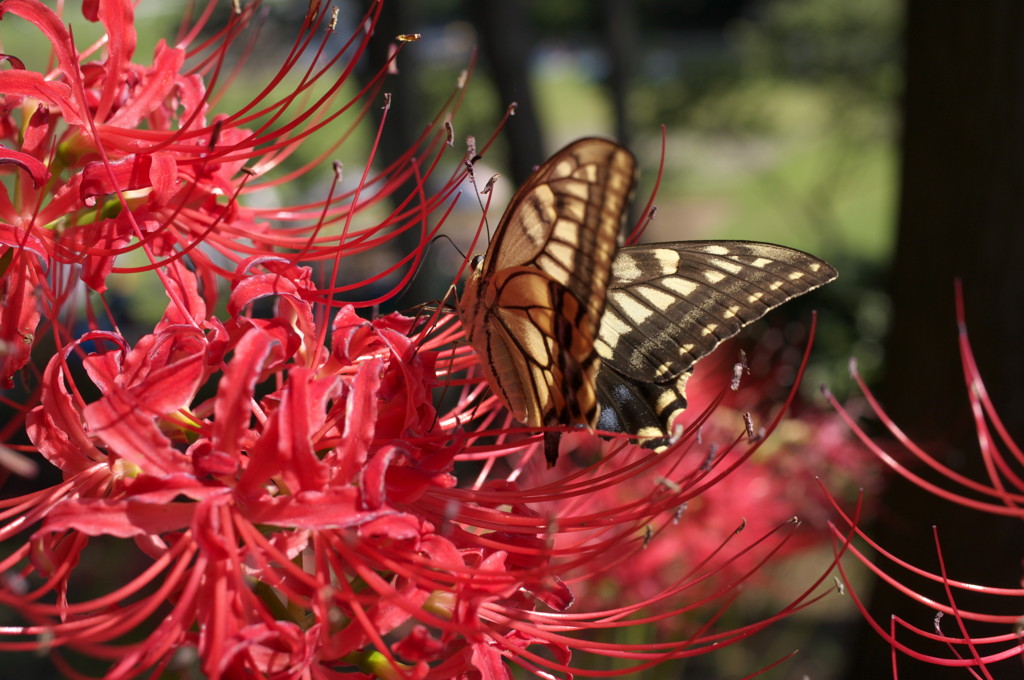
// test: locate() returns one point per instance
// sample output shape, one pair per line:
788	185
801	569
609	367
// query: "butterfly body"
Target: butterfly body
574	330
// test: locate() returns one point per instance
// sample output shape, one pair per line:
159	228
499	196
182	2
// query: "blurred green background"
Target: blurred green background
879	135
779	116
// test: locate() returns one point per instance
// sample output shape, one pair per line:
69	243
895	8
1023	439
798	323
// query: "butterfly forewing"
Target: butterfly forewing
533	307
669	304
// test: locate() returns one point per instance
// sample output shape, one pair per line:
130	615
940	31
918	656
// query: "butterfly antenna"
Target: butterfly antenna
444	304
432	308
446	385
449	239
419	266
417	310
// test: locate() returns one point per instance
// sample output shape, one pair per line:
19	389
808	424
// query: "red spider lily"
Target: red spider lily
616	525
275	494
235	487
307	517
1002	495
779	484
108	157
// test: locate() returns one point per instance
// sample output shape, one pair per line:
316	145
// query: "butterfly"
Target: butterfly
574	329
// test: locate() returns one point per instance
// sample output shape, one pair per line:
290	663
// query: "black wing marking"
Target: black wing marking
669	304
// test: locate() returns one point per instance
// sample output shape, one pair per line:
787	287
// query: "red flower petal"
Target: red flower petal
60	41
133	435
19	317
127	174
120	518
35	169
360	422
118	18
235	391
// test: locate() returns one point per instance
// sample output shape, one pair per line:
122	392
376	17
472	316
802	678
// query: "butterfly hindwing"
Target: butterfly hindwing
533	306
669	304
645	409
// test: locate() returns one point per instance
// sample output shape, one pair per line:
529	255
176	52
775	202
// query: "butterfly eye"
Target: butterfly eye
477	263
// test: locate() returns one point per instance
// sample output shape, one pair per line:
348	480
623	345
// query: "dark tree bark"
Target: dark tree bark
506	45
961	215
619	19
406	117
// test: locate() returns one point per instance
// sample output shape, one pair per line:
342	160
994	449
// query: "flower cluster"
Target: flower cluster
753	495
980	655
262	477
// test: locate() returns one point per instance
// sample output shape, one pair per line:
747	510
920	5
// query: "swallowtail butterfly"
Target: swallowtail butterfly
573	329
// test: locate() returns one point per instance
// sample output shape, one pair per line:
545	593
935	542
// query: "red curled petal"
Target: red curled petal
30	164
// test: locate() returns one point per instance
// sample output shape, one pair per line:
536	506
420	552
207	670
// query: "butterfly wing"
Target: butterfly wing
668	305
533	305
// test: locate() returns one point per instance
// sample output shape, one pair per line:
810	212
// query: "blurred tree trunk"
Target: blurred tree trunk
506	43
620	36
405	119
619	19
961	215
